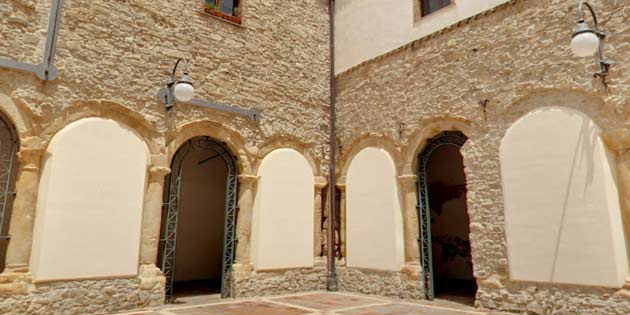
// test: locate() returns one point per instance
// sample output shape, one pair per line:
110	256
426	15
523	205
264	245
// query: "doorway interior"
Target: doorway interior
197	243
445	245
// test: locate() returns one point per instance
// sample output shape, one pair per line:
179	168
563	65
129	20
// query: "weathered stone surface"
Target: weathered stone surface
479	77
112	58
390	284
248	283
82	297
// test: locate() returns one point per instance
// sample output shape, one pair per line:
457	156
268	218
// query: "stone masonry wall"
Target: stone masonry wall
479	77
112	58
393	284
248	283
123	52
80	297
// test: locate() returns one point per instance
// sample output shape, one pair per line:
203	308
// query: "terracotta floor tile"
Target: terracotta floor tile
241	308
327	301
401	309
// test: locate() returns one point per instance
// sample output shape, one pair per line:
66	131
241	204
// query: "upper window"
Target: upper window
429	6
226	9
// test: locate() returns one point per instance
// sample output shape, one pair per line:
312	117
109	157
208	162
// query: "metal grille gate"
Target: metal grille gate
454	138
171	212
8	148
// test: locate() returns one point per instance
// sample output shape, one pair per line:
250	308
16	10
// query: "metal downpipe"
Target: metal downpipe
331	279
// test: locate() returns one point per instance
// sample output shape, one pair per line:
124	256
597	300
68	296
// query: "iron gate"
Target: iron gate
8	148
171	212
454	138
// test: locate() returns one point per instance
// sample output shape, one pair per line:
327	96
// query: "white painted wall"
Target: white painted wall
563	220
89	207
374	224
365	29
283	214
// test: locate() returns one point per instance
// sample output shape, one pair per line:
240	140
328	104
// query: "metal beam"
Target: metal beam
51	41
45	70
255	114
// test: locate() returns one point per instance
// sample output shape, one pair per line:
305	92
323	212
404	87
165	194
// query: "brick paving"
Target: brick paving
311	303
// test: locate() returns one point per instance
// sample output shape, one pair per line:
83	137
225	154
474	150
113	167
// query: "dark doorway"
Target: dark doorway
445	245
198	228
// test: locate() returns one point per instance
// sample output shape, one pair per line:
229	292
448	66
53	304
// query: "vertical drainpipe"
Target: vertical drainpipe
331	280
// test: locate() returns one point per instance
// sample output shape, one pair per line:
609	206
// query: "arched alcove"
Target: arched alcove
283	213
562	213
90	200
199	220
374	224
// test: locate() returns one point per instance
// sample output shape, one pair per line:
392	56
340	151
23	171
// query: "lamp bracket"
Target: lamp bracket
255	114
603	62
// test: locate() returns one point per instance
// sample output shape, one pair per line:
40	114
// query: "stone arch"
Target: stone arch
592	106
429	129
200	215
363	142
108	110
374	213
284	206
559	184
285	142
19	115
230	138
70	203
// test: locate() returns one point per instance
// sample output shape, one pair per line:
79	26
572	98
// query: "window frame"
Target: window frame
419	12
216	12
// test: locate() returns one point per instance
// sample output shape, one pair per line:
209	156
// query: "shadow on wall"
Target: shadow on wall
560	194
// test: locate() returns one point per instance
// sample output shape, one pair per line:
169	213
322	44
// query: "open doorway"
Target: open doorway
197	247
445	245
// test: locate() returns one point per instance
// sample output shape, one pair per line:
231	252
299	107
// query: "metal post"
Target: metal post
45	70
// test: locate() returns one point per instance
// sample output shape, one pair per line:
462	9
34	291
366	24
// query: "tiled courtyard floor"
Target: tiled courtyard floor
312	303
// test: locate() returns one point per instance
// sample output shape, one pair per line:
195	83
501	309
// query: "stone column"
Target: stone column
342	216
24	208
408	191
623	175
247	192
152	215
320	183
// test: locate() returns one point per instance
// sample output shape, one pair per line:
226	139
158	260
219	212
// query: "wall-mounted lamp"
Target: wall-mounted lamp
587	41
181	90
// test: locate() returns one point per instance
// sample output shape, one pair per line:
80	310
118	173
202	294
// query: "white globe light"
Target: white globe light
585	44
184	91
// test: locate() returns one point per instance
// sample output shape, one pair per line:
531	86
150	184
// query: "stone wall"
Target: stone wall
81	296
479	77
123	52
400	285
112	58
249	283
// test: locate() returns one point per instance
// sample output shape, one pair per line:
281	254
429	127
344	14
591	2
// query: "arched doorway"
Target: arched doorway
199	220
9	145
444	223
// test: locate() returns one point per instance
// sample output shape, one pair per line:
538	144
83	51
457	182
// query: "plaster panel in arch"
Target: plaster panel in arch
563	220
283	212
89	207
374	224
